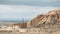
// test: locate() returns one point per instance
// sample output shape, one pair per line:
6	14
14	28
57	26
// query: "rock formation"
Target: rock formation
48	23
51	18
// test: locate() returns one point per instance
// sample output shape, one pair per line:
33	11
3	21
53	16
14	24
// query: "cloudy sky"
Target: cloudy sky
27	9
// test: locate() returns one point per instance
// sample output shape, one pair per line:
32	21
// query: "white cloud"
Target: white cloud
18	11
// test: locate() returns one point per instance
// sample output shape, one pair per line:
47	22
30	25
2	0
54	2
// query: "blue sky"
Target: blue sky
28	9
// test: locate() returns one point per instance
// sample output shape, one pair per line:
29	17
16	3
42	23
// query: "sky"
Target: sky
27	9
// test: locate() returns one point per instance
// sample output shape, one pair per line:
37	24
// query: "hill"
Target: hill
51	18
48	23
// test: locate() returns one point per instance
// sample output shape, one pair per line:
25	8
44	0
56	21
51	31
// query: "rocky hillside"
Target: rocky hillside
48	23
51	18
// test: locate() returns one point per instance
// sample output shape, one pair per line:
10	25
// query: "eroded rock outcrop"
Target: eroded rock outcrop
51	18
48	23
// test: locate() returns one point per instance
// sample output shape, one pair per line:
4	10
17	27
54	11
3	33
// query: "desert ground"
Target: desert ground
42	24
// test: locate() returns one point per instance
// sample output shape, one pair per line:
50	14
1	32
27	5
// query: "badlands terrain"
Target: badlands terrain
48	23
42	24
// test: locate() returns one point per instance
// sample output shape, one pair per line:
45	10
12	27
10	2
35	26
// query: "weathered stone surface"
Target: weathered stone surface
48	23
51	18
